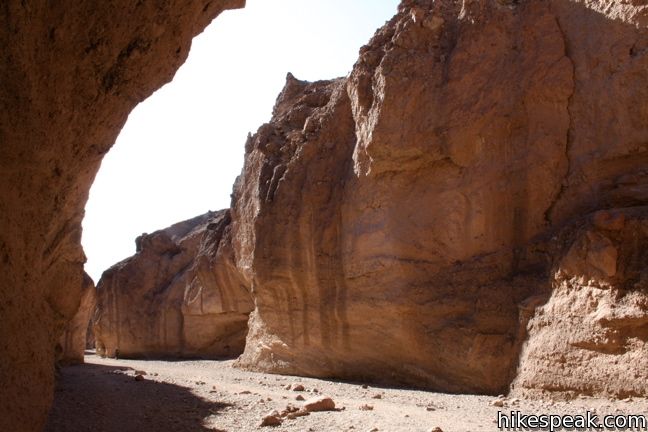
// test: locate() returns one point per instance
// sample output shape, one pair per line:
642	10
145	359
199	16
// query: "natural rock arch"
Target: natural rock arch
511	123
71	72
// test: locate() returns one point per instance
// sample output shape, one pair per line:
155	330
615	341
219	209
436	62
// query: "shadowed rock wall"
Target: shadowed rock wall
71	71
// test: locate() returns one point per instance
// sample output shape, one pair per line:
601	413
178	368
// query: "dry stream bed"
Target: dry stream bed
103	395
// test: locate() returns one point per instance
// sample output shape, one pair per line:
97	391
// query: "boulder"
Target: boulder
321	403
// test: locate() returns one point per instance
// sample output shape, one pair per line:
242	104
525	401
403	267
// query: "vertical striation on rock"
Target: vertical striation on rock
287	222
403	232
422	221
396	225
178	296
71	71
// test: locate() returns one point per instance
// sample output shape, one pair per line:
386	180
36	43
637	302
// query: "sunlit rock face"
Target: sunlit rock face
591	335
396	225
179	296
71	71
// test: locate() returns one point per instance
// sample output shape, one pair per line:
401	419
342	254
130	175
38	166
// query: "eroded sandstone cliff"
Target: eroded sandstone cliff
397	225
178	296
71	71
423	221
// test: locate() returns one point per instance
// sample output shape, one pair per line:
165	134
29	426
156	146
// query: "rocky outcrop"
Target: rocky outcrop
396	225
180	295
71	72
73	343
591	335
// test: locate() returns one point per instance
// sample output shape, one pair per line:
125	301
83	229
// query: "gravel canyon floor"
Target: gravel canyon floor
103	395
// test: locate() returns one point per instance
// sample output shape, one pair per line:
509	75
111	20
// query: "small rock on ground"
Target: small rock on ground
272	419
319	404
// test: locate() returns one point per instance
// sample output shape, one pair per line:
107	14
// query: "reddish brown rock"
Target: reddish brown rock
71	72
321	403
591	335
178	296
393	225
90	337
271	419
73	343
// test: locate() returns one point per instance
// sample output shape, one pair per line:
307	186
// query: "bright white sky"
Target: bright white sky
182	148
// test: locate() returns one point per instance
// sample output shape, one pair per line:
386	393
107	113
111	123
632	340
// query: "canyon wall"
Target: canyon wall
429	220
179	296
72	345
71	71
398	225
590	336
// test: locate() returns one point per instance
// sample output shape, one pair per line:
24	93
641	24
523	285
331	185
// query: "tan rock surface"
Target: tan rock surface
590	337
71	72
179	295
320	403
394	225
73	343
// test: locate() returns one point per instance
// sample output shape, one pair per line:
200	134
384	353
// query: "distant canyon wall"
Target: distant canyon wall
179	296
71	71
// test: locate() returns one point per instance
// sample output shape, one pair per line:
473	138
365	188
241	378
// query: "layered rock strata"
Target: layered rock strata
71	71
178	296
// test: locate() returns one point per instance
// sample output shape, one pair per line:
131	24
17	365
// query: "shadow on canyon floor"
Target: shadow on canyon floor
97	398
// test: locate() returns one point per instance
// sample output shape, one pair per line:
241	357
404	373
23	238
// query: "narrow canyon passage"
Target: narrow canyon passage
465	212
